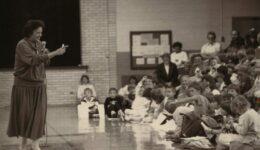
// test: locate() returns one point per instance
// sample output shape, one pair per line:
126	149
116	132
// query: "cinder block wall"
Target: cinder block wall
98	45
98	40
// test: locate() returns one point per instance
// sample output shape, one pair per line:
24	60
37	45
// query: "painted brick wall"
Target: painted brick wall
6	81
98	45
98	38
62	86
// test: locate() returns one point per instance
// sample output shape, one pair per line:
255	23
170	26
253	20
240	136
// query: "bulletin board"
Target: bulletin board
146	47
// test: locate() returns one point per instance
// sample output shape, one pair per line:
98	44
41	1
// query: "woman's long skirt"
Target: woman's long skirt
28	109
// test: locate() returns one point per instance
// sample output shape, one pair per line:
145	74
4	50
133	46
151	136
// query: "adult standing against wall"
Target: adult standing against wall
167	72
29	96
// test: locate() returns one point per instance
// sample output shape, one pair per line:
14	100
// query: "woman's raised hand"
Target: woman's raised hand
61	51
58	52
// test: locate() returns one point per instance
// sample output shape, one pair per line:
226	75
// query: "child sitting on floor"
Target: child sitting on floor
129	98
199	106
156	100
141	103
85	83
113	104
124	91
170	93
164	120
90	103
140	106
248	126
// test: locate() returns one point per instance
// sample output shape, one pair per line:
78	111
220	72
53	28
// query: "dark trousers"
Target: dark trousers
111	108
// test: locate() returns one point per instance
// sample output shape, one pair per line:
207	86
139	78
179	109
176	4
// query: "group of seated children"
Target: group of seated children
215	103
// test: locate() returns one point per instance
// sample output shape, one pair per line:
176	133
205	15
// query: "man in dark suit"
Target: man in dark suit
167	72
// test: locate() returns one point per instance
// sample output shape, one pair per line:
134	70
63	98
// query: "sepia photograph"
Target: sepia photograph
130	75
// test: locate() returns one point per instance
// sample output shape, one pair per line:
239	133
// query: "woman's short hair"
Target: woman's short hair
239	103
212	33
177	44
32	25
82	77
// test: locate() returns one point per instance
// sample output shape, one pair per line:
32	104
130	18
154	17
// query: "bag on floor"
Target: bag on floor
191	126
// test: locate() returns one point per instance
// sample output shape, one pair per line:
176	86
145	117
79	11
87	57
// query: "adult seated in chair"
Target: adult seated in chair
167	72
211	48
179	57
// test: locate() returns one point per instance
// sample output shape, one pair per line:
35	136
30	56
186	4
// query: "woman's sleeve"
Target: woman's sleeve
47	63
79	93
94	91
202	51
186	59
28	56
219	47
243	125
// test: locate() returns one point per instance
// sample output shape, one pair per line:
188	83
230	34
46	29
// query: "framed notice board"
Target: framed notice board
146	47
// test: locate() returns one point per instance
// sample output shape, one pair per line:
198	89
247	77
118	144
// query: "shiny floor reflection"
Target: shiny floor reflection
66	131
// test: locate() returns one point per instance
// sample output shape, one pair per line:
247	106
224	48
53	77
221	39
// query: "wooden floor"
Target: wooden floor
66	131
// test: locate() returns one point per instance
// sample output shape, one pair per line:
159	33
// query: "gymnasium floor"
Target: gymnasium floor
65	132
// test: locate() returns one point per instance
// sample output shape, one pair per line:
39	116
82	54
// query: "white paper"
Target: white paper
164	39
140	61
137	51
136	40
151	61
146	37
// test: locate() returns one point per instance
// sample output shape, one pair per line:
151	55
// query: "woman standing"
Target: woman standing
29	96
